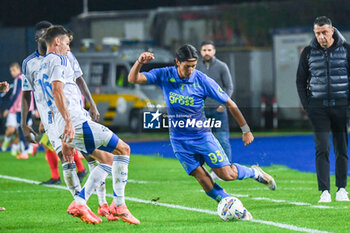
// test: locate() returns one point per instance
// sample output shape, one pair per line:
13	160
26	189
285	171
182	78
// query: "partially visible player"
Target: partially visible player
4	87
31	66
13	114
53	160
185	90
41	89
75	128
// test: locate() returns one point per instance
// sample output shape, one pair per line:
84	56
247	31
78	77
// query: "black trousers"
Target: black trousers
325	120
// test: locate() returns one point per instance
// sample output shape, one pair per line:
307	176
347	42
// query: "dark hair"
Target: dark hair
53	32
206	42
186	52
322	20
42	25
13	64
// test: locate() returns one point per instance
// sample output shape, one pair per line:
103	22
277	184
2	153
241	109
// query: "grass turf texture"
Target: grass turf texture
35	208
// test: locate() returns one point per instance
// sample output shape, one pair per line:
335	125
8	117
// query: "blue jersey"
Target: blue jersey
184	98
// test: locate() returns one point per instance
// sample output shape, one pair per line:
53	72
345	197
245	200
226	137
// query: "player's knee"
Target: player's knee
228	175
124	149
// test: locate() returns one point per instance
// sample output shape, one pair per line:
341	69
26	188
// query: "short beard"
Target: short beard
207	60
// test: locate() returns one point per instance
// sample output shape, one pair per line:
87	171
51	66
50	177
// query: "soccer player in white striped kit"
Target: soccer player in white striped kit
75	128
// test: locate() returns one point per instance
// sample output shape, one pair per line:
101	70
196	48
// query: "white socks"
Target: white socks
101	189
71	178
120	178
96	178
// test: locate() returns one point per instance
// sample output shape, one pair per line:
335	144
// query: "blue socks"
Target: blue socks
217	193
244	172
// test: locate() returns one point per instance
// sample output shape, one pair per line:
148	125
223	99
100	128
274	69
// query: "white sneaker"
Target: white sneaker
325	197
264	178
214	176
342	195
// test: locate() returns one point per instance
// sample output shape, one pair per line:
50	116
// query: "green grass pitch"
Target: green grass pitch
292	207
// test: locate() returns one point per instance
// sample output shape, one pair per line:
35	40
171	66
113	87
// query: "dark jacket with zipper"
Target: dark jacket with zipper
323	74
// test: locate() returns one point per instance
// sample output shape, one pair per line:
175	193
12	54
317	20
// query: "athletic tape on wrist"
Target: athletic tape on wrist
245	128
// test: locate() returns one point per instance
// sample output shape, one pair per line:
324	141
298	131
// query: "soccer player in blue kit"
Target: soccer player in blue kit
185	90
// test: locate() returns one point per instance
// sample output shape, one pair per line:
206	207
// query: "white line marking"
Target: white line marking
280	225
290	202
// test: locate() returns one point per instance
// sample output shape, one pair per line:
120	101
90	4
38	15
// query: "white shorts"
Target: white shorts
91	135
54	138
11	120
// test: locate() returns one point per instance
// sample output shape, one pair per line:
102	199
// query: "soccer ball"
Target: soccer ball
231	208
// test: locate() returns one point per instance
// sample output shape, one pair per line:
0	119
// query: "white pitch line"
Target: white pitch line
276	224
289	202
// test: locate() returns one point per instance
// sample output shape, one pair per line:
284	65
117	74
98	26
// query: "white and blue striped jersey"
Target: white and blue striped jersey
55	67
30	69
32	82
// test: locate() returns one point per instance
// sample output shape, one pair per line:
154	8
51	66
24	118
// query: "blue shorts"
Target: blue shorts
192	153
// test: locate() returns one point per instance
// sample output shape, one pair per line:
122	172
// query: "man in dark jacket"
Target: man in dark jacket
218	71
323	88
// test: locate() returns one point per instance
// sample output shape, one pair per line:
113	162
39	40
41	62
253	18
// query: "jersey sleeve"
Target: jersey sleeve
154	76
75	65
26	85
58	69
214	91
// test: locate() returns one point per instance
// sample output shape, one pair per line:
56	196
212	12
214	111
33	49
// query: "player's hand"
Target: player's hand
41	128
6	112
37	114
4	87
27	131
247	138
68	153
94	113
220	109
145	57
69	132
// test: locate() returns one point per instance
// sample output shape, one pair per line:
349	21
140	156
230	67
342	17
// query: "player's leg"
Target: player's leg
15	144
69	174
216	158
10	130
11	124
103	207
120	177
23	142
82	172
91	135
52	160
31	147
212	189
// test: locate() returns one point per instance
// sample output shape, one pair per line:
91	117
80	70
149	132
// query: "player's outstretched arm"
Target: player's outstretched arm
4	86
60	100
27	130
94	113
135	76
236	113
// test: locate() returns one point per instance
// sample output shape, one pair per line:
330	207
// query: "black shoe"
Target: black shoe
52	181
81	175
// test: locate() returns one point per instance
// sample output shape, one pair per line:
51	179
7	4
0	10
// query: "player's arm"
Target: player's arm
60	100
27	130
4	86
135	77
95	115
236	113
